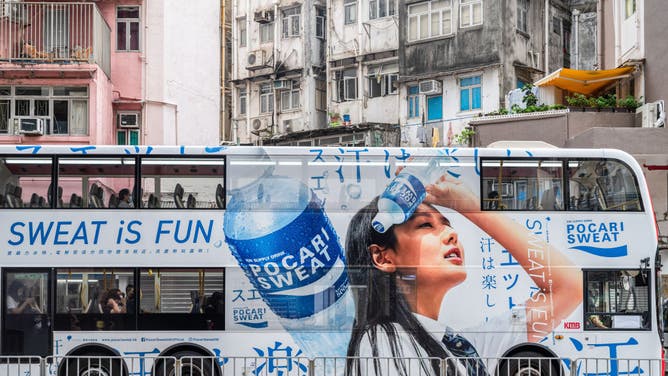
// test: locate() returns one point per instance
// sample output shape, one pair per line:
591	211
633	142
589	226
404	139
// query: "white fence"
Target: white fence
298	366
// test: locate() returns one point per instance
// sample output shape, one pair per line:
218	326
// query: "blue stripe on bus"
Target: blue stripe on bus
604	252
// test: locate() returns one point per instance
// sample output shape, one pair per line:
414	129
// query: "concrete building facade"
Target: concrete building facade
278	72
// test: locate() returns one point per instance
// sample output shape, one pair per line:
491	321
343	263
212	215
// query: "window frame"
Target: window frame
266	93
586	313
320	23
349	9
413	99
266	31
242	95
344	84
291	22
523	15
242	26
469	89
416	18
565	184
386	86
471	4
128	27
48	95
290	95
375	8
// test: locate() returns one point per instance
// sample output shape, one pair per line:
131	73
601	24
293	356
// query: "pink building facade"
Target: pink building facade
71	73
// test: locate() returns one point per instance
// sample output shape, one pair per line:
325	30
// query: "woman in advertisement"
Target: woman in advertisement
409	270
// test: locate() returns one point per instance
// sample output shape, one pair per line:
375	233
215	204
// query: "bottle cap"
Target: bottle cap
384	220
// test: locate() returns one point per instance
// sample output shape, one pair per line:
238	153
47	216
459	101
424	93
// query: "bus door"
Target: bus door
26	304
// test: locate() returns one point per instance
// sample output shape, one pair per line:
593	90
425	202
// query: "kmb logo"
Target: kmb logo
571	325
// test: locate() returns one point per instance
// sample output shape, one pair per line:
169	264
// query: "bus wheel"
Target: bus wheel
192	364
92	365
529	363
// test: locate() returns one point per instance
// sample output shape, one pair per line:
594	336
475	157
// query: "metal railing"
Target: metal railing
301	366
58	32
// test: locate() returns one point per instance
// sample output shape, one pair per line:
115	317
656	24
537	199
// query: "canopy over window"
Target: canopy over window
583	81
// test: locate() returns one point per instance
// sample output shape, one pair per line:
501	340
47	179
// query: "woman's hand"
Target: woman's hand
451	193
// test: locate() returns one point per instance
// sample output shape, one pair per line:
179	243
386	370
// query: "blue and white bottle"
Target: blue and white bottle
282	238
404	194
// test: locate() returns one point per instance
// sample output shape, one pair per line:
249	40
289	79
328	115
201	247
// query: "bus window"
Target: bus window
26	313
522	185
94	299
182	182
617	299
181	299
602	185
25	182
96	182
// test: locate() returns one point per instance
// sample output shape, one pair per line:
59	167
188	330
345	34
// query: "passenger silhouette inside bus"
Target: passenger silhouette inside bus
20	300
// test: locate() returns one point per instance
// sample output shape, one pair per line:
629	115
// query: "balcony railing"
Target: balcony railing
54	33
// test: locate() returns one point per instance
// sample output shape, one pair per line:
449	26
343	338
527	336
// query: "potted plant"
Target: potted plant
577	102
606	103
629	103
464	137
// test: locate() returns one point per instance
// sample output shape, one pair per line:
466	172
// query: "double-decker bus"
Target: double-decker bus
175	252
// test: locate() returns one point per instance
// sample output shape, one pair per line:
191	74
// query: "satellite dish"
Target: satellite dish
257	124
251	59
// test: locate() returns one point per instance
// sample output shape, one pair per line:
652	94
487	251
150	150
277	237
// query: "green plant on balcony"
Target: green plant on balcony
604	102
465	136
578	100
629	102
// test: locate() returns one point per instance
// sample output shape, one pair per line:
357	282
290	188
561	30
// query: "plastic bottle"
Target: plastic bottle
404	194
282	238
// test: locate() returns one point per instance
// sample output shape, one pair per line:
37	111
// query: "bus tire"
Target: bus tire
529	363
93	365
189	367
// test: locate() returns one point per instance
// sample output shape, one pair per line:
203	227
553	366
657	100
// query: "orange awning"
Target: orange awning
583	81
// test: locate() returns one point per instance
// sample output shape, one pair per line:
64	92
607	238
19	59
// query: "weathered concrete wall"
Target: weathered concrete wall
656	76
475	46
556	128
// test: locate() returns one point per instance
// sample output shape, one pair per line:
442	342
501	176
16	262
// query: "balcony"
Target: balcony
54	33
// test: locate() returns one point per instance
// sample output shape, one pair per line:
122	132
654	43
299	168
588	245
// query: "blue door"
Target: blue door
435	107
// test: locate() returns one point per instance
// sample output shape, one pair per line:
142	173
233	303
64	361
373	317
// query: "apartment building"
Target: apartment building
109	72
278	70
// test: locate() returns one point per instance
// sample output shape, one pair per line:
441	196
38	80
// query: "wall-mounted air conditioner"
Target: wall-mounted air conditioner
256	59
127	120
264	16
653	114
430	87
283	84
30	126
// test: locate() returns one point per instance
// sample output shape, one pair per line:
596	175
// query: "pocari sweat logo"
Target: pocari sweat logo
597	238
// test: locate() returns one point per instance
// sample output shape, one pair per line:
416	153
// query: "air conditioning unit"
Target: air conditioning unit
430	87
283	84
127	120
30	126
256	60
653	114
264	16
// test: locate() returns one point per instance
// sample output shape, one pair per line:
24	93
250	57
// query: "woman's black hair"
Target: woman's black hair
13	289
383	307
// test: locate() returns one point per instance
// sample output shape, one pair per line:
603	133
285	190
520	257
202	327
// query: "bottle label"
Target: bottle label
407	191
299	270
